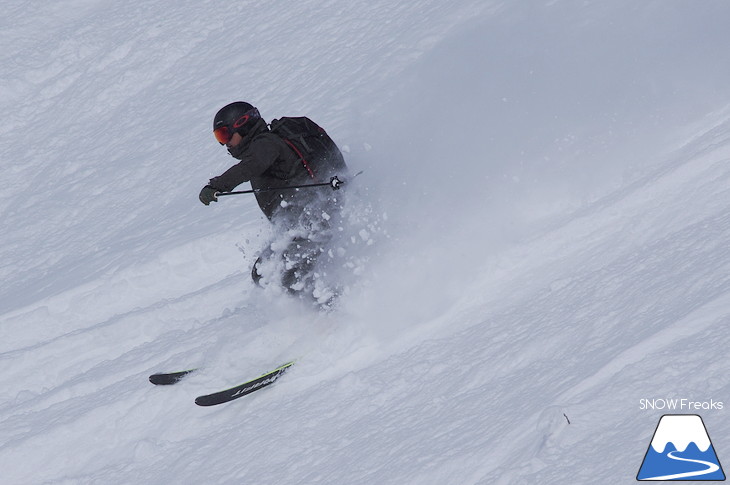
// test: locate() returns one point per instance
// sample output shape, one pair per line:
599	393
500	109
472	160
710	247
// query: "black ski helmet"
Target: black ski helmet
237	117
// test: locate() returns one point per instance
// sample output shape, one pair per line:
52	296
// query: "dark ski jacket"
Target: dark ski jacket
268	162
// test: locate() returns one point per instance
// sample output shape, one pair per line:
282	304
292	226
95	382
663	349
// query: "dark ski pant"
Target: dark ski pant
300	246
299	260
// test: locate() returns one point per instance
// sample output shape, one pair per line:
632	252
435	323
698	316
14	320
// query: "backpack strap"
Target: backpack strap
276	127
301	157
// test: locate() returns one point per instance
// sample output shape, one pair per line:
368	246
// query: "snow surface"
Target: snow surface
547	240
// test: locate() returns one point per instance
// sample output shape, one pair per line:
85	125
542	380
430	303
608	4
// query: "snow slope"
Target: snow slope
551	194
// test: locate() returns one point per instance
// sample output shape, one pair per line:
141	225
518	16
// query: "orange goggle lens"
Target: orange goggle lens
223	135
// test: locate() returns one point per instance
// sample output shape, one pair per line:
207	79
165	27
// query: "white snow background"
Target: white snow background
549	240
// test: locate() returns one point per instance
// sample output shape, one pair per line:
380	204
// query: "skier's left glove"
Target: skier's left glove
208	195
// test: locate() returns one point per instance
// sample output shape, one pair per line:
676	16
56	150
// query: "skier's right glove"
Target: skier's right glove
208	195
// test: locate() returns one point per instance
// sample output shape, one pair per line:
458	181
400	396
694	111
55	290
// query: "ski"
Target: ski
169	378
241	390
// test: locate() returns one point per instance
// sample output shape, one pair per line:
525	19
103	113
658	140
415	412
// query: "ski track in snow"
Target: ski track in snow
477	331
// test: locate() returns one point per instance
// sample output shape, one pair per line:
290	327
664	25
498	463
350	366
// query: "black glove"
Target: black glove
208	195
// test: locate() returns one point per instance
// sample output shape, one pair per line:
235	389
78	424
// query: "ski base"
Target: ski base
243	389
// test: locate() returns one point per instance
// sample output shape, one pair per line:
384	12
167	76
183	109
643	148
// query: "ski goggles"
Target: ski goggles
224	133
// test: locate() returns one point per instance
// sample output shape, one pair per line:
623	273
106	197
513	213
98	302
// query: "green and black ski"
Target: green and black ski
241	390
220	397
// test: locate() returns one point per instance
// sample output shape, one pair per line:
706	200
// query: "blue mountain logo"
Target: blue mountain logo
681	450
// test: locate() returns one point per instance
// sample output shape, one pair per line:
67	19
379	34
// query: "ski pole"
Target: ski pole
334	182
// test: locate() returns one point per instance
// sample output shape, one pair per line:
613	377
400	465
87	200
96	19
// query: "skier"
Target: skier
302	218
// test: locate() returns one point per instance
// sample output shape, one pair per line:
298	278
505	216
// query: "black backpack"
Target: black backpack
319	155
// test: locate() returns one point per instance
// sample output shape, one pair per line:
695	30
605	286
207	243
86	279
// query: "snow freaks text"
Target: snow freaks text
678	404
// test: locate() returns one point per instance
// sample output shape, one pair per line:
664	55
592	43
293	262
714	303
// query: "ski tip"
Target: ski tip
167	379
286	366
